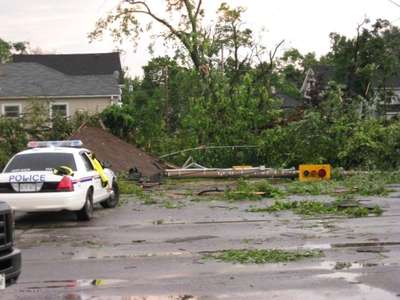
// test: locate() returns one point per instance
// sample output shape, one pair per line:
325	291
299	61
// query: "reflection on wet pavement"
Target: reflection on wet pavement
88	297
159	252
63	284
365	291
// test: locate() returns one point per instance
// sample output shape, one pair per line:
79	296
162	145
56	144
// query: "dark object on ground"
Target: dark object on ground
10	258
214	190
121	155
372	249
148	185
134	174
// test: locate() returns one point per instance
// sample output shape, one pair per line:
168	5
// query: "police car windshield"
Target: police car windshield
40	162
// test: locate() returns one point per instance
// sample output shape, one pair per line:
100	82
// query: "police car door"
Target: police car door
96	180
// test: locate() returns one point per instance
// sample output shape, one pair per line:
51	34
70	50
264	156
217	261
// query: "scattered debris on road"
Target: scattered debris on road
262	256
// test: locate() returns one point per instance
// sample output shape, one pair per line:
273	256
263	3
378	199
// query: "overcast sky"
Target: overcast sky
61	26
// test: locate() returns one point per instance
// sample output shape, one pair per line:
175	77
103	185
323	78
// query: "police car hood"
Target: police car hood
30	176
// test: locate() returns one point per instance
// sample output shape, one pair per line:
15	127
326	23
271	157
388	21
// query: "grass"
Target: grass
372	184
313	208
246	190
366	184
173	205
311	188
149	201
262	256
130	188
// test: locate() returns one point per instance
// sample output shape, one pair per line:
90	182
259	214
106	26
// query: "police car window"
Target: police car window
40	162
87	163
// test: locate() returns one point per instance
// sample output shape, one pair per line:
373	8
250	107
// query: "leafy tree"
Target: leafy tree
369	60
231	101
294	66
13	138
127	22
7	49
233	38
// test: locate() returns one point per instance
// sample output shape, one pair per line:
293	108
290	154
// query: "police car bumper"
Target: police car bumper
35	202
10	265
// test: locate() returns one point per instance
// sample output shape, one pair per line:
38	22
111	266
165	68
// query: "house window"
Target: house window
11	110
60	110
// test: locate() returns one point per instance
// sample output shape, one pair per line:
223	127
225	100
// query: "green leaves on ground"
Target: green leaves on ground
262	256
311	188
371	184
131	188
313	208
246	190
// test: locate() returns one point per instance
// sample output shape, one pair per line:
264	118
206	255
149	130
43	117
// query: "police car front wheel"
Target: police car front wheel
113	200
86	213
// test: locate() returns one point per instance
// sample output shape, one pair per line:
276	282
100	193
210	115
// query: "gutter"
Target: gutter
56	97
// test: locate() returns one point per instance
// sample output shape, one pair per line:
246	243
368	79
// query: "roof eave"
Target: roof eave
58	97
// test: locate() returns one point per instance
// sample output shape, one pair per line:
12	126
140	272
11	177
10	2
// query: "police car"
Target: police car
56	176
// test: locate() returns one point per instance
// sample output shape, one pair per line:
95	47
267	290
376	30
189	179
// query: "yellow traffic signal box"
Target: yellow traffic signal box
314	172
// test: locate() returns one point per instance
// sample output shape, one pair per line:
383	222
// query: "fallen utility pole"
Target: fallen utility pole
250	172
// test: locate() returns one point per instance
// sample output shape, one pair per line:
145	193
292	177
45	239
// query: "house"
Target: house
70	83
386	102
388	99
289	103
315	82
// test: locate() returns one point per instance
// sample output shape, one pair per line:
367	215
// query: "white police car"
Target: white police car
56	176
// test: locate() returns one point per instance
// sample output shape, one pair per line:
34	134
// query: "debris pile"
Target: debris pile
122	156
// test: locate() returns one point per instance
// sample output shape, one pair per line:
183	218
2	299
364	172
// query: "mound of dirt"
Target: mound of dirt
122	155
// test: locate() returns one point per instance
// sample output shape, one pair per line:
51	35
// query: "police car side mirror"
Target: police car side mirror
106	164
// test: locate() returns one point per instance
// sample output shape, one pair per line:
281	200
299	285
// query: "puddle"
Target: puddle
343	265
82	296
317	246
333	265
72	284
365	291
349	277
367	244
191	239
373	249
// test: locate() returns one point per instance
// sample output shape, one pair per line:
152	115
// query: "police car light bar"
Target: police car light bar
44	144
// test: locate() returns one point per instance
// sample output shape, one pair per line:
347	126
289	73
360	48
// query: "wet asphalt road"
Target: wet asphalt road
139	251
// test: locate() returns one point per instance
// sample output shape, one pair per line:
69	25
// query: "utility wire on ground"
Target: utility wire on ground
207	147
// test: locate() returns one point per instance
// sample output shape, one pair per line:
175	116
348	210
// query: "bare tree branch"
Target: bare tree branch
395	3
150	13
198	9
273	54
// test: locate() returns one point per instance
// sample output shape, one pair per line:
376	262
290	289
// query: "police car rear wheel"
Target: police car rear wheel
113	200
86	213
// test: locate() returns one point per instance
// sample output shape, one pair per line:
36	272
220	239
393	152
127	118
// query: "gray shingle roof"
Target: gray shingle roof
77	64
289	102
34	80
